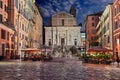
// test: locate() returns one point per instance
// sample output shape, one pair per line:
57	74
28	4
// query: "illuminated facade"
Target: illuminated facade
104	28
37	29
18	20
90	26
116	26
63	31
6	34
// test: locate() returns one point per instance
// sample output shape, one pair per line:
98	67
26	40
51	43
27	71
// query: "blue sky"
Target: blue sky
83	7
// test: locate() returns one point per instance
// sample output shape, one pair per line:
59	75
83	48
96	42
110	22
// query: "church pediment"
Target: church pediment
62	15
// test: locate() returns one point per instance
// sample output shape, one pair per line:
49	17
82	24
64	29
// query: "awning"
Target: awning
31	50
99	49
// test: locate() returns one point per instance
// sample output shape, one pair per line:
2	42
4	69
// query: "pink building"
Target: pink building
90	25
116	26
6	34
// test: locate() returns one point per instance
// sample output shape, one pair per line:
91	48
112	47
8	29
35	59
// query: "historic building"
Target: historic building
116	26
18	20
38	26
25	20
90	25
6	34
104	28
64	31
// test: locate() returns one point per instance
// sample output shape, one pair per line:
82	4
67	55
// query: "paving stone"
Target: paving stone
58	69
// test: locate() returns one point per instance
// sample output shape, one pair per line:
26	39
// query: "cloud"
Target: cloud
72	2
45	12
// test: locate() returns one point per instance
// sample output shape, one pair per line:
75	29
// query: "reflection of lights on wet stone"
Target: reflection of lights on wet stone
58	69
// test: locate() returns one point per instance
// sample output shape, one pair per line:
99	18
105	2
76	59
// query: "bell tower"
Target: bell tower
73	11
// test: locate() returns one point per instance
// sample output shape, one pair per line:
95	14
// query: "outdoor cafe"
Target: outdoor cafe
98	55
32	54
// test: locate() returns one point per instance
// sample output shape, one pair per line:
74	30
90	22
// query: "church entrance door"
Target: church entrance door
62	41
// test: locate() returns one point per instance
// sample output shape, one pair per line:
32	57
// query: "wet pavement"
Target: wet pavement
58	69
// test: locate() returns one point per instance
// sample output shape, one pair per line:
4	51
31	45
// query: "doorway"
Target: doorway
3	50
62	41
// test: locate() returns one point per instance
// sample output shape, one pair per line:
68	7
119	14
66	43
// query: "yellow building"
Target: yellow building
104	28
37	27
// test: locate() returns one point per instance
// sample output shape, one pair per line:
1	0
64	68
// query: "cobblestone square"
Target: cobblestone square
57	69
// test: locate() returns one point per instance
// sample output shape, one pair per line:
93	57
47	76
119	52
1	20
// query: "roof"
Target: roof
96	14
62	12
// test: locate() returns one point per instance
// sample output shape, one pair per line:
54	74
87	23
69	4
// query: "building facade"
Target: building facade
25	20
18	20
6	34
38	26
90	25
63	31
116	26
104	28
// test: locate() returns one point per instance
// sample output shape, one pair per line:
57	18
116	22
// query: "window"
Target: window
23	27
3	34
50	42
93	24
62	22
16	3
93	38
8	36
0	18
22	36
115	25
26	38
3	49
0	4
75	41
6	8
12	38
119	7
69	37
93	18
93	31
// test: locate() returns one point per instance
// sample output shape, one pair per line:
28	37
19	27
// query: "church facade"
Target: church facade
63	31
